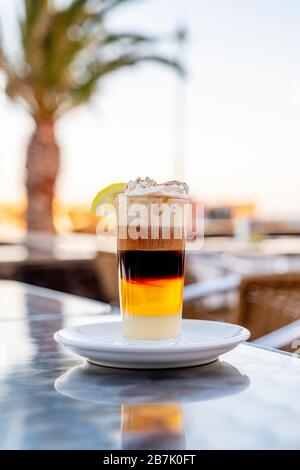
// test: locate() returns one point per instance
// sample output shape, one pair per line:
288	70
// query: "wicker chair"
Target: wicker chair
268	303
106	270
269	306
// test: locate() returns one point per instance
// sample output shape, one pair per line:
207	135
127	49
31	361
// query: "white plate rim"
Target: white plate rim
243	335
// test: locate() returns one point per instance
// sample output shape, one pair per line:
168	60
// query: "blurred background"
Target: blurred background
100	91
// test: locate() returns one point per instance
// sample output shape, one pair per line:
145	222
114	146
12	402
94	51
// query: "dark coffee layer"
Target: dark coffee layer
140	265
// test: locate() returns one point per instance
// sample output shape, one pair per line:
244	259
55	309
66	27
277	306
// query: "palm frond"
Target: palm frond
67	51
101	69
47	42
82	92
173	63
75	8
2	54
43	25
128	38
109	5
34	10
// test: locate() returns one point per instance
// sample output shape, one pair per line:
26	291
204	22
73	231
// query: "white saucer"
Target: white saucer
201	342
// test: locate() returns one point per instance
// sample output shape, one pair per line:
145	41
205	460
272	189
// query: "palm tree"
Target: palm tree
65	52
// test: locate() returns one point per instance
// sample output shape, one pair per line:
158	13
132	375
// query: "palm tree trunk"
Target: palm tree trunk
42	168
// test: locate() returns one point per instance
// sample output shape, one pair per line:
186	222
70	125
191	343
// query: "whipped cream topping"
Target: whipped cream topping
147	186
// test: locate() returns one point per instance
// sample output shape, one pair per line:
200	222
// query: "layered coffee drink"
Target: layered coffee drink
151	250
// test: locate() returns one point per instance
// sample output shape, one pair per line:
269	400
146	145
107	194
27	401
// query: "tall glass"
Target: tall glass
151	252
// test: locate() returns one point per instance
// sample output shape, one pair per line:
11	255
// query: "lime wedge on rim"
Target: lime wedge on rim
107	196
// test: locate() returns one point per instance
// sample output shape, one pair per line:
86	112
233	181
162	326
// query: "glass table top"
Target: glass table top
51	399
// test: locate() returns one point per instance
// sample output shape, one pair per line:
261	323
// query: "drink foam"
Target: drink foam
149	187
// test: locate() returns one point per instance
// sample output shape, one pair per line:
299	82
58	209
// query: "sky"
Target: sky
238	127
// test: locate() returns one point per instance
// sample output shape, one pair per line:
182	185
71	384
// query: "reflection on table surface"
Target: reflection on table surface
248	399
151	401
159	426
105	385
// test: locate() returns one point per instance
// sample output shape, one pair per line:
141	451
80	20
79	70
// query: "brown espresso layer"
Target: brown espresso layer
151	245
